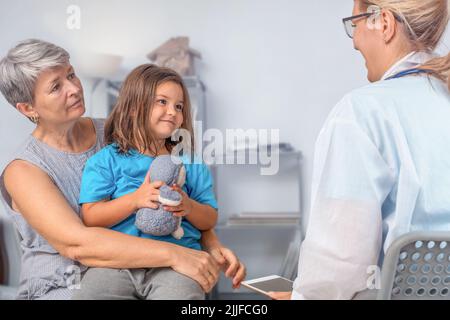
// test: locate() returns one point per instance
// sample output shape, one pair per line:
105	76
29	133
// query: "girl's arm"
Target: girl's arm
107	213
201	216
44	207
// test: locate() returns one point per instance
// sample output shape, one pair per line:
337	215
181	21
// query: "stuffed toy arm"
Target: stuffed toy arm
169	197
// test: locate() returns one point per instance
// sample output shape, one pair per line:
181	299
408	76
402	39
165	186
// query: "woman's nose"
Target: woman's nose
73	89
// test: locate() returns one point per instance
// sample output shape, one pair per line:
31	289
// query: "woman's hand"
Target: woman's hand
147	195
229	264
280	295
197	265
184	208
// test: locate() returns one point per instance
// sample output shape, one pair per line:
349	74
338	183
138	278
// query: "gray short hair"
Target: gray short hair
22	66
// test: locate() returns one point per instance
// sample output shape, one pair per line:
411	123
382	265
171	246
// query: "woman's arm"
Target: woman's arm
47	211
108	213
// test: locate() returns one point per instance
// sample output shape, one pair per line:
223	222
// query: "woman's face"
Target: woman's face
58	96
367	39
167	110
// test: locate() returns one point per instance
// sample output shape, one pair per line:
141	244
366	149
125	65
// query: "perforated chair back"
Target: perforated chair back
417	267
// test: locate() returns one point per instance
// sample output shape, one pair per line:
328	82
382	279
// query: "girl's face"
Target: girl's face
167	112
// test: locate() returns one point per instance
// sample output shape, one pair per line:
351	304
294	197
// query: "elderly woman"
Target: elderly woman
40	188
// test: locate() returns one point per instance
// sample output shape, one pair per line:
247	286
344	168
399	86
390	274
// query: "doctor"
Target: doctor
382	159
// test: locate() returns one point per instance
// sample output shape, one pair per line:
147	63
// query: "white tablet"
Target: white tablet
267	284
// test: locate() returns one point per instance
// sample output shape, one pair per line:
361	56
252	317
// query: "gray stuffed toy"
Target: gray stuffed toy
159	222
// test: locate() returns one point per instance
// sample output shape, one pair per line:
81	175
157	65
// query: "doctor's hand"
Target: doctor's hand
230	264
280	295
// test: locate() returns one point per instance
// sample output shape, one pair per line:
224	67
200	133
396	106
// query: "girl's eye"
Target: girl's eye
179	107
162	101
71	76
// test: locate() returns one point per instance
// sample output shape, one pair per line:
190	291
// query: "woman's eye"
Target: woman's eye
71	76
55	88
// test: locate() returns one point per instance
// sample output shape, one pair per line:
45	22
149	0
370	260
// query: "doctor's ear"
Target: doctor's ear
388	25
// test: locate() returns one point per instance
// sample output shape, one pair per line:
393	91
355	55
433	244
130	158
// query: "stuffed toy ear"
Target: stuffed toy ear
181	177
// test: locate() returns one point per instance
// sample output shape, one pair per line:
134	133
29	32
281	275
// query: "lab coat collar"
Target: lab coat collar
410	61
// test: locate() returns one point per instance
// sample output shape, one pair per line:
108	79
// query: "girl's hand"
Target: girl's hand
230	264
147	196
184	208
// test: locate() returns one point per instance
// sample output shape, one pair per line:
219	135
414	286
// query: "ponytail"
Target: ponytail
440	68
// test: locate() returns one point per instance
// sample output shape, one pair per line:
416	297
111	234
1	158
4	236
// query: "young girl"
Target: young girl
152	105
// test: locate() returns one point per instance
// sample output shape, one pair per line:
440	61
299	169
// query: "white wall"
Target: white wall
266	64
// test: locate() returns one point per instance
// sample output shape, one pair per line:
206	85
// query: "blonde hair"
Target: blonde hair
425	22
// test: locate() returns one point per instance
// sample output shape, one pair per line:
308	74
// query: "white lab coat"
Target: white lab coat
381	169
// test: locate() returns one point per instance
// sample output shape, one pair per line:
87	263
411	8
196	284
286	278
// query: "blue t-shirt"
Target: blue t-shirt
109	174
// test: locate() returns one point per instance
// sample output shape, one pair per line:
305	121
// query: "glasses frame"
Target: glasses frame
360	16
345	21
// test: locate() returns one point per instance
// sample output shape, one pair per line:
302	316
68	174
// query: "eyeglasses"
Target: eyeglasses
350	26
372	10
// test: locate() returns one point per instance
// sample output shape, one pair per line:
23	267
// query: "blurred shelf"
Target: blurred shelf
264	218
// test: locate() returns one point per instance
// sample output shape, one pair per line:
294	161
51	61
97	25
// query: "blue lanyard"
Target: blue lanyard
407	73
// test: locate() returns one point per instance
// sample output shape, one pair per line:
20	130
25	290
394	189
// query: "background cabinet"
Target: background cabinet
267	240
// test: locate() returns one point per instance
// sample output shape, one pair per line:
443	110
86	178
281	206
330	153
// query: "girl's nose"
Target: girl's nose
171	109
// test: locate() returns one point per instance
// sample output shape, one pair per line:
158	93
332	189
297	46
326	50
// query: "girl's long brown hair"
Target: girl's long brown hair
129	123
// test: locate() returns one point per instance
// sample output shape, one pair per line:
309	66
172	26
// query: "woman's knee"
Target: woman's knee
168	284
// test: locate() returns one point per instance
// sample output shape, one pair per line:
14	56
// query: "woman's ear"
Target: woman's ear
389	25
26	109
